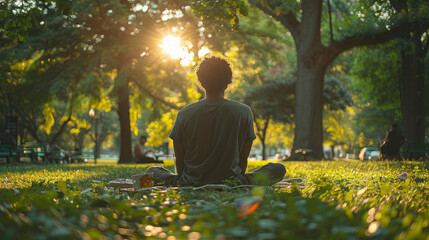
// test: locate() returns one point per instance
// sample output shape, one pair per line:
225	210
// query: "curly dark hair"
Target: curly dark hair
214	74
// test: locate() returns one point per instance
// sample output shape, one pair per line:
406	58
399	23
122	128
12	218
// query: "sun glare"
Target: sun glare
172	46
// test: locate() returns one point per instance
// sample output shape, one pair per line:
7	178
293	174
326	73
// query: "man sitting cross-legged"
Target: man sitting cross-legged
140	155
212	137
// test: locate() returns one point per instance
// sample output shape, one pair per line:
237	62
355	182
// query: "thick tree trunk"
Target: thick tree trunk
413	95
313	59
125	155
309	86
308	110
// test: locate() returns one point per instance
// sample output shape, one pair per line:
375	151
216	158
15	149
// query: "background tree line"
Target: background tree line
295	63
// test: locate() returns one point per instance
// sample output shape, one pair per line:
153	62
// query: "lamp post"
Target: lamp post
96	119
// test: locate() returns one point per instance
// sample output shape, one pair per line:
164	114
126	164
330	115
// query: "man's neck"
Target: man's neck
215	97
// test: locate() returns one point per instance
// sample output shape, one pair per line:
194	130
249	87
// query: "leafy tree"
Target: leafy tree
414	45
18	17
252	51
376	76
111	47
273	101
396	73
36	103
360	24
339	127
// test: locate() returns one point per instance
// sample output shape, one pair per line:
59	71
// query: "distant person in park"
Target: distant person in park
7	139
77	150
54	154
140	155
212	137
54	146
391	145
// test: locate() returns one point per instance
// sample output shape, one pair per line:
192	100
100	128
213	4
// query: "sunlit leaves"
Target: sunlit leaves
135	114
158	130
338	126
227	11
372	79
49	118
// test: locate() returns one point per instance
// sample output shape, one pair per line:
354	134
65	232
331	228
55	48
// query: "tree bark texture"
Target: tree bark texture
308	109
413	85
125	155
309	86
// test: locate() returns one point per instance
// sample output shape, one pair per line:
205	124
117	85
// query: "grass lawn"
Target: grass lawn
344	199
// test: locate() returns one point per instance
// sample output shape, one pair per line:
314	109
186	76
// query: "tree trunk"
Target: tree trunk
413	95
263	150
101	138
309	85
125	155
261	132
308	110
313	59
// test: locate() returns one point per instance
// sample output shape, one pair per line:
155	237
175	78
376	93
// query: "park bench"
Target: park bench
416	150
28	151
6	152
88	156
74	156
41	151
57	156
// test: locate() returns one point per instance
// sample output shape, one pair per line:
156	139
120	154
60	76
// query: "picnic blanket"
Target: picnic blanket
144	183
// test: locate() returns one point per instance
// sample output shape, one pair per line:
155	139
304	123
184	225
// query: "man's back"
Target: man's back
138	151
212	133
213	137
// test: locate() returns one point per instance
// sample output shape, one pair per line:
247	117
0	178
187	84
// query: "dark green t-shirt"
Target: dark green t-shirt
213	134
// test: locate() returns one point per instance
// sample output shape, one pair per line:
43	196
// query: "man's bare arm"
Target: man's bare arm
244	154
180	157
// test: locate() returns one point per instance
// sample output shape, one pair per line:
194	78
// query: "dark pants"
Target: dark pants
265	175
148	160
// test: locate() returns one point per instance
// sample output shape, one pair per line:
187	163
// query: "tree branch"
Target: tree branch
286	19
156	98
337	47
63	126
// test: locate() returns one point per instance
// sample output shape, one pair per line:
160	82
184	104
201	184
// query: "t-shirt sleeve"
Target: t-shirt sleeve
176	132
250	133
